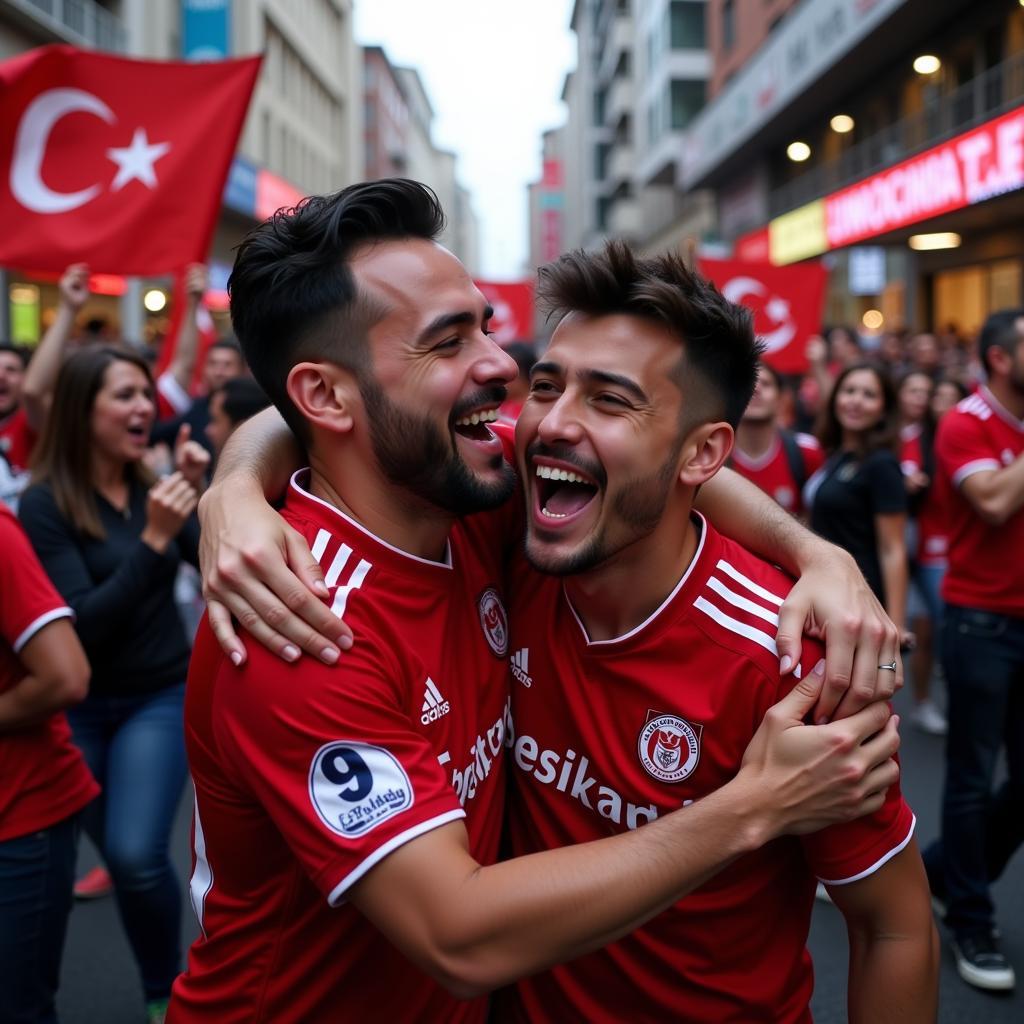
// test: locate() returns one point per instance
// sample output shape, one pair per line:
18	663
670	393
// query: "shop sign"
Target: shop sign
976	166
273	193
798	234
866	270
753	247
205	29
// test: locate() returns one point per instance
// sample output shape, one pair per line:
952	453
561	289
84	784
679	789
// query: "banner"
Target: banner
118	162
512	302
787	303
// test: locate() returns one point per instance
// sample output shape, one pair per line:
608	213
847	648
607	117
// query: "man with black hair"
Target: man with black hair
230	406
375	787
979	452
778	460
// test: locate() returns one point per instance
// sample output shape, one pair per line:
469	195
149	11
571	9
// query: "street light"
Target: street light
843	123
798	152
872	319
927	64
154	300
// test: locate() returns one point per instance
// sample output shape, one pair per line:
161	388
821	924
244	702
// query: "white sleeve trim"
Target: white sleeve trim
44	620
178	398
970	468
884	859
334	899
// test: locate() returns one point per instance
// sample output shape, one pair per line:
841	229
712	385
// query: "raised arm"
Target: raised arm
187	346
476	928
48	358
830	600
265	576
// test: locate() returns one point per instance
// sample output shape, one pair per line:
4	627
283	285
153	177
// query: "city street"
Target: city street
100	984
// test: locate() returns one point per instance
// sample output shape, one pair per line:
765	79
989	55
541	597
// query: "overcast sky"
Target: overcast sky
493	70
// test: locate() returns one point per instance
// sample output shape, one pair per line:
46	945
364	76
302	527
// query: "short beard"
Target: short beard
639	504
418	457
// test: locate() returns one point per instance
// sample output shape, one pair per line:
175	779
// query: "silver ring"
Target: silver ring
891	667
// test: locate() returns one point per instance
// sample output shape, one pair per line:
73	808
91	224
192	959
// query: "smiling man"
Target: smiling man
649	667
347	819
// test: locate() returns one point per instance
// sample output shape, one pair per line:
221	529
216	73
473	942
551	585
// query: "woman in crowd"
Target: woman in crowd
924	607
857	499
111	540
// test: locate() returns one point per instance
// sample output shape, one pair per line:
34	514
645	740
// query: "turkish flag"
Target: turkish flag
512	302
787	303
118	162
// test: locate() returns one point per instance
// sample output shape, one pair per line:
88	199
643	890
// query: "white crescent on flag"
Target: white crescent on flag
776	309
33	133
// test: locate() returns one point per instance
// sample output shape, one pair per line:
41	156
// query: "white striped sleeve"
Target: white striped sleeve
970	468
37	624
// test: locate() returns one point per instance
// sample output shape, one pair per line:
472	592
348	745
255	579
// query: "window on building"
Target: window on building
653	124
603	203
728	25
686	98
686	25
601	151
600	102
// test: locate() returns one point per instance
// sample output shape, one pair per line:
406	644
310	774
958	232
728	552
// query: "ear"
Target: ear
704	453
325	394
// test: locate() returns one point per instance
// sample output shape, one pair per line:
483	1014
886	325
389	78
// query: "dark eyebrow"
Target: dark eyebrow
595	377
448	320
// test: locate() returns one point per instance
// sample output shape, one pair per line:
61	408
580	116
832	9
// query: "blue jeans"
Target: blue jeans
135	747
983	656
36	875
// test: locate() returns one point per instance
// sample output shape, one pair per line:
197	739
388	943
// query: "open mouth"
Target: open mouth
474	426
139	432
562	493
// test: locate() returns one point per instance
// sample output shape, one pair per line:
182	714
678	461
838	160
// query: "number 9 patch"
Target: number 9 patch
354	787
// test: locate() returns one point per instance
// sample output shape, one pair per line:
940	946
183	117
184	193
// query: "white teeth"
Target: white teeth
553	515
490	416
548	473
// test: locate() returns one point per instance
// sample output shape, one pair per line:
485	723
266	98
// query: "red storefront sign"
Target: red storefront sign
969	169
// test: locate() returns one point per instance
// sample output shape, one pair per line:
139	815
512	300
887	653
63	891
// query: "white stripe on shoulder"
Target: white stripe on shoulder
37	624
754	588
336	897
756	635
970	468
323	538
808	441
884	859
742	602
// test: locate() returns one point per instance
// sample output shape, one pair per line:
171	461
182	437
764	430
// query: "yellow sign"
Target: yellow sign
798	234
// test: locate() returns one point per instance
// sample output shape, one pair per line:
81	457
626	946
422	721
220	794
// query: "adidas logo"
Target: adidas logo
434	705
520	662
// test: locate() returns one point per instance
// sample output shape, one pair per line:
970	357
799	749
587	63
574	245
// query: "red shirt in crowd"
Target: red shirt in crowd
932	529
17	439
773	473
612	734
43	778
307	776
985	561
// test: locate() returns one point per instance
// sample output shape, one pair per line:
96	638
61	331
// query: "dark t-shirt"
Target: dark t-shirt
846	494
121	590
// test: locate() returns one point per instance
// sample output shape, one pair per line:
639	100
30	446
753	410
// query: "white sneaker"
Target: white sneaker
928	718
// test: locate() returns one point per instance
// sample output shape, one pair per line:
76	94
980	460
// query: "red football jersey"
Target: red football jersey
610	735
307	776
17	439
771	471
985	561
45	779
932	531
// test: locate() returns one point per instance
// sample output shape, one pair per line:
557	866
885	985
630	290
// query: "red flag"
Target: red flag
118	162
512	302
787	303
207	332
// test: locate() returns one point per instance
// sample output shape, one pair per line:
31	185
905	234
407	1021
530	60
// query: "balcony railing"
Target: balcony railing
82	22
997	90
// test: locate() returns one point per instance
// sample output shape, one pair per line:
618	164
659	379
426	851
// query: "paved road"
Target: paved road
100	984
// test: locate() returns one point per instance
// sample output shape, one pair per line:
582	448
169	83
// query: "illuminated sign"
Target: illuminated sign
976	166
798	234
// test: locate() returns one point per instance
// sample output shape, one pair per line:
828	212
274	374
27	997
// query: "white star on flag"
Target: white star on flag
135	162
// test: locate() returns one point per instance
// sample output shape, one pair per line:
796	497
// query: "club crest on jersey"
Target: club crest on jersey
669	748
494	621
354	787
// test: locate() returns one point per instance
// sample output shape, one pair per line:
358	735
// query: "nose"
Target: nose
495	365
561	422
